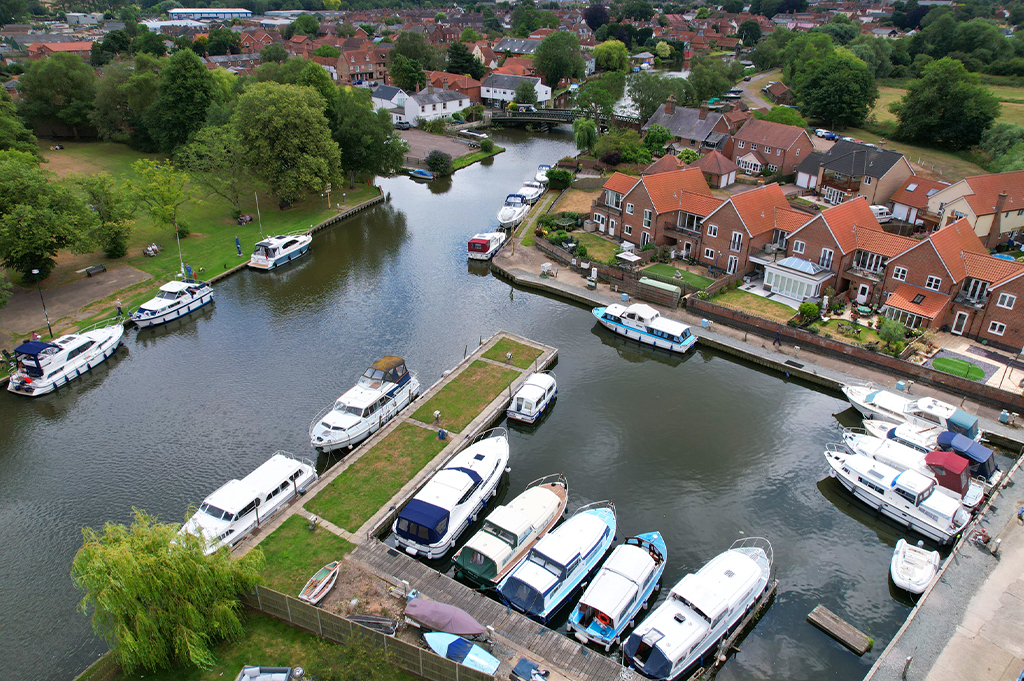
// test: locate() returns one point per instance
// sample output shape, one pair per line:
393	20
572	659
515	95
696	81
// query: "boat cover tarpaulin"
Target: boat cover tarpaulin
426	516
458	650
34	347
443	617
473	475
963	422
984	465
951	470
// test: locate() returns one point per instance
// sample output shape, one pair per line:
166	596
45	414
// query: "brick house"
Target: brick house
700	129
251	42
992	204
664	208
367	64
851	169
44	50
461	84
718	170
911	199
300	46
780	94
764	145
736	235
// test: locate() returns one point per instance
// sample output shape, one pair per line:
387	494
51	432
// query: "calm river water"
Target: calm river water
705	449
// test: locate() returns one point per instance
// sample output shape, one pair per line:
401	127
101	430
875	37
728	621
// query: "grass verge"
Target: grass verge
469	159
294	554
666	270
755	305
522	355
958	367
465	397
361	489
598	248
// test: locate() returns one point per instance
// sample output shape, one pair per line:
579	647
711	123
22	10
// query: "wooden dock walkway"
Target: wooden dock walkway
516	635
839	629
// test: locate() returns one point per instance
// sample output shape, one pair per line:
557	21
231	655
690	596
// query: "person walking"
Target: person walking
778	340
120	312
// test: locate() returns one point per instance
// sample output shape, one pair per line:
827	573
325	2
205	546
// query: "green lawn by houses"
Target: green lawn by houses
958	367
668	270
598	248
754	305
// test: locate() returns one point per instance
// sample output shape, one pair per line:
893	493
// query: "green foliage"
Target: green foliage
597	96
59	88
612	55
650	90
596	16
581	251
713	78
664	50
406	73
840	28
123	95
38	216
876	52
286	138
783	115
113	211
839	89
584	132
525	93
367	140
558	57
439	162
462	62
274	53
216	160
469	35
161	189
749	32
947	106
1000	138
808	311
526	19
155	598
414	47
222	41
688	156
14	136
315	76
559	178
891	331
304	24
639	10
435	126
487	146
185	91
327	51
622	145
656	138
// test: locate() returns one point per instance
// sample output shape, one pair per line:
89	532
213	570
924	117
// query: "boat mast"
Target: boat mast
181	261
258	218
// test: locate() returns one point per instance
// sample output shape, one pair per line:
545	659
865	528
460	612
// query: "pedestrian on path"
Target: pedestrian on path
120	312
778	340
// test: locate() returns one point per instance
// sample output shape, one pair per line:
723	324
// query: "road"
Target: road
752	94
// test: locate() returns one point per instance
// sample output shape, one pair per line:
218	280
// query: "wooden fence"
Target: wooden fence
405	656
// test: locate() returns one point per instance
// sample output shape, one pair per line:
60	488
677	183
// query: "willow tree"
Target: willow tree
155	597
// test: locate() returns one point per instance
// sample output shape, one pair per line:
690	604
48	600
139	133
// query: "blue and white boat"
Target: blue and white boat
420	174
645	324
560	561
513	212
682	633
43	366
623	586
176	299
452	499
533	398
923	412
278	250
458	649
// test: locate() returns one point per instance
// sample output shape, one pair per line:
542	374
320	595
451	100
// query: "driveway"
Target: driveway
422	143
752	94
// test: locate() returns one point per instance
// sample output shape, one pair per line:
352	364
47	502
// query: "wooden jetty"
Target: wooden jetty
841	630
728	644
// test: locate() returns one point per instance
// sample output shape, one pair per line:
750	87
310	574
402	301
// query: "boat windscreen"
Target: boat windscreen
501	533
215	512
523	596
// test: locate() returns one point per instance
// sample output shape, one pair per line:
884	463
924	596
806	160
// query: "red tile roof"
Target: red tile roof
621	183
986	188
929	304
992	270
953	240
681	189
769	134
664	164
761	208
882	243
844	218
714	163
918	196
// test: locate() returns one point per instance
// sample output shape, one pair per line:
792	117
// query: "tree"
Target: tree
315	76
612	55
112	207
808	311
39	216
656	137
732	6
560	178
13	133
161	189
149	42
702	13
223	41
663	50
156	598
584	132
185	92
622	145
783	115
327	51
596	16
639	10
710	78
286	138
367	140
414	46
558	57
892	332
840	28
687	156
749	32
12	10
462	62
839	89
304	24
274	53
596	99
469	35
440	17
440	163
123	94
525	93
947	106
650	90
407	74
215	159
995	141
59	88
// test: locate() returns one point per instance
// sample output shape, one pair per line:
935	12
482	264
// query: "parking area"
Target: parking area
422	143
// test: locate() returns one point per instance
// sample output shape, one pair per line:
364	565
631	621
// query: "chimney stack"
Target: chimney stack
444	83
703	112
670	105
997	222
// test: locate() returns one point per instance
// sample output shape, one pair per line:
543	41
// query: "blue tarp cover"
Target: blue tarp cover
473	475
458	649
657	665
425	515
981	456
33	347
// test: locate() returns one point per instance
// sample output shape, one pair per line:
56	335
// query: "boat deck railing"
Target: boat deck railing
550	479
594	506
300	459
836	448
103	323
756	543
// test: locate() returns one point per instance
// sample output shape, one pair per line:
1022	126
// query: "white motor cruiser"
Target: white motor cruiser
278	250
907	497
533	398
383	390
240	506
531	191
913	568
542	173
921	438
176	299
700	611
645	324
451	500
923	412
513	212
43	366
483	246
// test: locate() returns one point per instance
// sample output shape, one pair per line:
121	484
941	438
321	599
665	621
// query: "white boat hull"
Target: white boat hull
260	263
913	569
648	339
484	256
95	356
353	436
511	219
170	315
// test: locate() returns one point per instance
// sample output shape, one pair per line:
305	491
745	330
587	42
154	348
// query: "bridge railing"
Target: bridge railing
562	115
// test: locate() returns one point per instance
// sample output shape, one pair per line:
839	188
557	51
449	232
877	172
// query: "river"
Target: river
705	449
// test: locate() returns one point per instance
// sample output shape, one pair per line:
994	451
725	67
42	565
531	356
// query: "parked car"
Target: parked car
402	125
746	79
881	213
821	132
849	139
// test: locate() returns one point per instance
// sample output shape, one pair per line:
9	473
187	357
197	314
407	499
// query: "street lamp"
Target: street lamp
35	273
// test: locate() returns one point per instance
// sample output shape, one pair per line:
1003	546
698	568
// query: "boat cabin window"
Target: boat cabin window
912	498
80	349
871	485
927	416
501	533
290	243
469	492
610	317
249	508
476	558
169	295
549	565
295	475
217	513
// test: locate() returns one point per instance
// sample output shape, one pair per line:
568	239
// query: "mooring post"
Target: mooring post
906	666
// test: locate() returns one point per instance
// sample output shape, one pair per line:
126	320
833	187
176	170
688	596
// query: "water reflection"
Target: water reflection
636	352
187	325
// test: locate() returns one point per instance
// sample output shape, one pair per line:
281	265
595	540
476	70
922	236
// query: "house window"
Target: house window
996	328
629	208
933	283
1006	301
867	180
712	230
647	219
826	258
753	147
771	168
767	150
778	152
645	238
798	247
733	264
900	273
736	242
598	218
627	230
709	253
958	215
614	199
740	144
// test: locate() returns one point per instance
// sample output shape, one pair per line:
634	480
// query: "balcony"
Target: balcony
674	230
844	184
872	276
966	300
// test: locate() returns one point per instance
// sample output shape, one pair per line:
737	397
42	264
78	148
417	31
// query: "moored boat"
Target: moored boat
542	173
913	568
700	611
513	212
451	500
620	590
43	366
437	616
176	299
924	412
483	246
277	250
982	461
645	324
511	530
238	507
421	174
533	398
385	388
458	649
558	563
922	438
320	583
531	191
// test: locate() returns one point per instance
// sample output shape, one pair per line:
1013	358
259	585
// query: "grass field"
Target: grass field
598	248
361	489
1011	102
473	157
666	270
522	355
294	554
755	305
958	367
462	400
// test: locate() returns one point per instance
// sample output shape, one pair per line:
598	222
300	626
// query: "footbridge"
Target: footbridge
551	117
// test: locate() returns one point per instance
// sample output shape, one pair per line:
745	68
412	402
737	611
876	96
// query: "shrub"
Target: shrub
439	162
612	158
487	146
559	178
581	251
892	332
793	323
809	311
649	246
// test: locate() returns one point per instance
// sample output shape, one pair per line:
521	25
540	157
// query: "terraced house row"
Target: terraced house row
942	279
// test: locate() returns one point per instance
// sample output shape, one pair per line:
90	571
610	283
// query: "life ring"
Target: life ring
604	619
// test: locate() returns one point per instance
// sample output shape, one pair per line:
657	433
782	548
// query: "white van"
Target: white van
882	213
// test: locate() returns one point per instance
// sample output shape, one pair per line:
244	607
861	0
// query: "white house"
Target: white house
498	89
431	105
81	18
390	98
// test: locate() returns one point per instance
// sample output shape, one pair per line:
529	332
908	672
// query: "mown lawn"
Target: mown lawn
958	367
755	305
364	487
666	270
598	248
522	355
294	554
478	155
848	335
462	400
